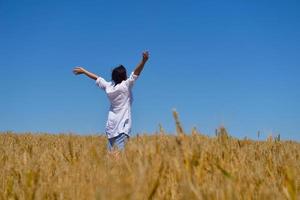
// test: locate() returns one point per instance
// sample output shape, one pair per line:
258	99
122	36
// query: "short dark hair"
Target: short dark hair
119	74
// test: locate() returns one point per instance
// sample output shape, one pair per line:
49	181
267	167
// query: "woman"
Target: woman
118	125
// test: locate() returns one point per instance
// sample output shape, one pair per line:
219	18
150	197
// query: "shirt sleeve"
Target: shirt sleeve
132	78
102	83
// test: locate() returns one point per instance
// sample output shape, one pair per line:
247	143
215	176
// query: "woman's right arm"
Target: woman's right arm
141	65
81	70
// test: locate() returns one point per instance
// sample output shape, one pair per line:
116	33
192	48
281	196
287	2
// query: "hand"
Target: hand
145	56
78	70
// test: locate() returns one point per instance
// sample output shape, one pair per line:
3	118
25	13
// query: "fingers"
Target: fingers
145	55
77	70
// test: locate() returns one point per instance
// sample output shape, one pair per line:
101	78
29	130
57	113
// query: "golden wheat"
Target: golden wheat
158	166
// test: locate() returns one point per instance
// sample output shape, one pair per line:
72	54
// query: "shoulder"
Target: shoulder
102	83
131	79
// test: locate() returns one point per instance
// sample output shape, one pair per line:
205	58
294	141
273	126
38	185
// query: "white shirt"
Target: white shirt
120	97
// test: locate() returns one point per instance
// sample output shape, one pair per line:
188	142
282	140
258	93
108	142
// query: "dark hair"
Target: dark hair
119	74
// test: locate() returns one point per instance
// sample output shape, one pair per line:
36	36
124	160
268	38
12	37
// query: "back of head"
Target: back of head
119	74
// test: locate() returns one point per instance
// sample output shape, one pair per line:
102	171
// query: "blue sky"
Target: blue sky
231	63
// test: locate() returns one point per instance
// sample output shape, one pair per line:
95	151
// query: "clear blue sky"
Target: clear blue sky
218	62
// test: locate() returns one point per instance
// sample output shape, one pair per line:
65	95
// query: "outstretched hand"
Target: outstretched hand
78	70
145	56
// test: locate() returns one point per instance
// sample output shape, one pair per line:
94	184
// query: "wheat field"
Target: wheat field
157	166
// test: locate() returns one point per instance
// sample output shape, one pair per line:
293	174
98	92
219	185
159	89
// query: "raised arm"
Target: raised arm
81	70
140	66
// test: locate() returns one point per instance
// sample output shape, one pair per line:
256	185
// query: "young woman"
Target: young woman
118	91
